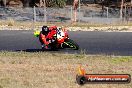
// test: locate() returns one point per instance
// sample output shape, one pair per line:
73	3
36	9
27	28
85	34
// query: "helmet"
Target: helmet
45	30
36	33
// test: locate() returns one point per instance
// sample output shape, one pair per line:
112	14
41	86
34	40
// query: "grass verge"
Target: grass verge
54	70
30	25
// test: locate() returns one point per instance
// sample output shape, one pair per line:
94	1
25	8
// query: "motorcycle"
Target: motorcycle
60	40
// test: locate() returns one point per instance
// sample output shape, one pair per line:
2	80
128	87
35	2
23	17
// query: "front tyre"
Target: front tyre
71	44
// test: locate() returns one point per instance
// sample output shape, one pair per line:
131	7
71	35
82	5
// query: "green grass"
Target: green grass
57	70
121	59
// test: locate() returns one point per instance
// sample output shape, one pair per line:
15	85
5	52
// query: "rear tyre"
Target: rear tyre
53	46
71	44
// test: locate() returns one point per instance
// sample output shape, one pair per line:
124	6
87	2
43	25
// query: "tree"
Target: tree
1	3
26	3
55	3
61	3
69	2
75	6
95	1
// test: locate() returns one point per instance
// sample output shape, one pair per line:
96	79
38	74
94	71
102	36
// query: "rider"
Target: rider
45	35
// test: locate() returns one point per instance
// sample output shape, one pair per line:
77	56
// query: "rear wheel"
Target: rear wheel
71	44
53	46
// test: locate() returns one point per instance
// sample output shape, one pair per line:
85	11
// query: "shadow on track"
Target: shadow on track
61	51
35	50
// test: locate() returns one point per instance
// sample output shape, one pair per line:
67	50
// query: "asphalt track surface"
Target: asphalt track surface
108	43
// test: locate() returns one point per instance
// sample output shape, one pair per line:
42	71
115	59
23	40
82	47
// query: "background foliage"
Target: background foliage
56	3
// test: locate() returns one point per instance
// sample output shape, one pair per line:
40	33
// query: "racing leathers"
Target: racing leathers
47	37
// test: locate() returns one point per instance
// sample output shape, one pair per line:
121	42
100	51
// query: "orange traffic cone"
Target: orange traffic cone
81	70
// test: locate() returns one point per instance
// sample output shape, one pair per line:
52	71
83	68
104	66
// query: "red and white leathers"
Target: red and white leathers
44	38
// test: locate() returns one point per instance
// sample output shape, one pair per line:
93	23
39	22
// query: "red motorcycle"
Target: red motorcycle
60	40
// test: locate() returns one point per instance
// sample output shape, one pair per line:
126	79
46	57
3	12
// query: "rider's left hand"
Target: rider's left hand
52	40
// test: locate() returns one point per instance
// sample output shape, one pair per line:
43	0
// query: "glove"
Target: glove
53	40
50	41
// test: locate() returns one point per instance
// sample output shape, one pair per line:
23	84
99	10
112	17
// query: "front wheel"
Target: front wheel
71	44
